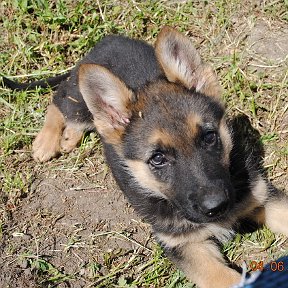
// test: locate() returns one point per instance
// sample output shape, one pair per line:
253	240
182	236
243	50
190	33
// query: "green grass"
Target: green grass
42	38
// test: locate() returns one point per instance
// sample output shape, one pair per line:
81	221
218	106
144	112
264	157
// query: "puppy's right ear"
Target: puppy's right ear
107	98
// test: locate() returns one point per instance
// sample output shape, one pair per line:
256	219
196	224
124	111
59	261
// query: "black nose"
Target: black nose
214	207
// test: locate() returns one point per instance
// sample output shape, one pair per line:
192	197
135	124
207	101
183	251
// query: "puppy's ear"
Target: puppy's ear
107	98
182	63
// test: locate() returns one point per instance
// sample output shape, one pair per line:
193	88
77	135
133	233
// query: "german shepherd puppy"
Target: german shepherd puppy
165	137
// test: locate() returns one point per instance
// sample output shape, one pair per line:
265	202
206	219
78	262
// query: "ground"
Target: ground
66	223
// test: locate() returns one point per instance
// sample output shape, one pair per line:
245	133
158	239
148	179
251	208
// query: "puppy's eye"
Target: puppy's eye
210	138
158	160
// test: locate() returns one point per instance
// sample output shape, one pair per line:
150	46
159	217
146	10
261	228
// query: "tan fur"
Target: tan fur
226	141
47	143
161	137
193	123
260	191
276	215
145	178
203	264
72	136
182	63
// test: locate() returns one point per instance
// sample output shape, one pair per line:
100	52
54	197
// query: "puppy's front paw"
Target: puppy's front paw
222	277
46	145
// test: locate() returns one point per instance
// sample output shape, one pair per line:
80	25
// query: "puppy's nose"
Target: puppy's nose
214	207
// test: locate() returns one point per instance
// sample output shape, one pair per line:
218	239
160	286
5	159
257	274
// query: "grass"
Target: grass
43	38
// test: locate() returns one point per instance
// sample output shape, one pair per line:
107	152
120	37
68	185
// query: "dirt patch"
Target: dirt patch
270	44
68	223
267	51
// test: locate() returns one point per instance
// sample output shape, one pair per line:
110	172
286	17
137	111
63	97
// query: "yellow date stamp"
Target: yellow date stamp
273	266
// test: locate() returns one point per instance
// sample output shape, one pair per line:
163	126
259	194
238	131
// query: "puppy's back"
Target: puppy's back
133	61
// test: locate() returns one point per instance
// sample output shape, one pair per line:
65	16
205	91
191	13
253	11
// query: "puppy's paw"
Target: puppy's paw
229	279
70	139
222	277
276	215
46	145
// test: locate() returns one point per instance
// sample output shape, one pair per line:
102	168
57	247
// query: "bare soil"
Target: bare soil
69	221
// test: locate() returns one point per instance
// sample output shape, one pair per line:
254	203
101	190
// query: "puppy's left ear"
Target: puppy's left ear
108	99
182	63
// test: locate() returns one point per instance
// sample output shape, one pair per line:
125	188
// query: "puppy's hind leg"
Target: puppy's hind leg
72	136
47	143
275	214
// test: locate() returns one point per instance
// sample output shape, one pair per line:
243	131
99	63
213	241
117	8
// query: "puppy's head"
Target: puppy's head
172	135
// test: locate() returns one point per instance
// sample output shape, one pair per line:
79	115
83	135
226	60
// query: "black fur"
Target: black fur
52	82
